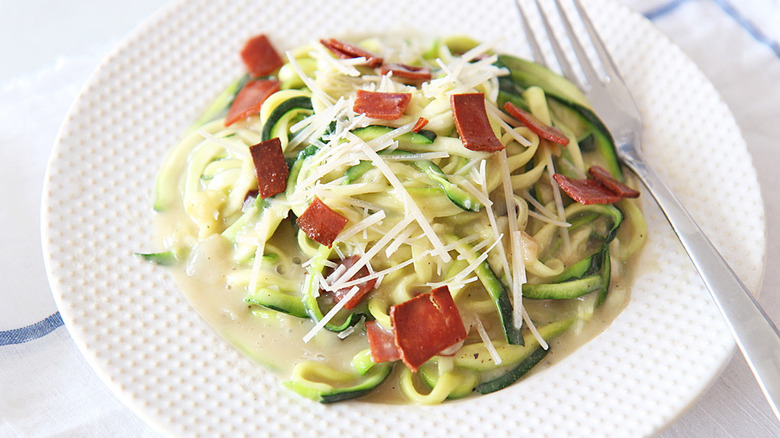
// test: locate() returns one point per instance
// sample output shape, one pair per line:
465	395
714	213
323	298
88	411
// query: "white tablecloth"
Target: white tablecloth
50	47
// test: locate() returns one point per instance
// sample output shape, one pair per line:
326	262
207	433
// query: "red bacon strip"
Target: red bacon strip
321	223
363	288
415	74
270	167
536	126
426	325
386	106
472	123
347	51
586	191
603	176
419	124
260	56
382	343
602	189
250	99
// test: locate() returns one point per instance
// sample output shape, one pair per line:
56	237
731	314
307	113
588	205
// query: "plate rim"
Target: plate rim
71	319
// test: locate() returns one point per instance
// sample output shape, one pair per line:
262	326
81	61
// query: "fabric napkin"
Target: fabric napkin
48	389
46	386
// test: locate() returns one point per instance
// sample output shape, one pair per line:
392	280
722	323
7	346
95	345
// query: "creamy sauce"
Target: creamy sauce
201	182
271	338
275	340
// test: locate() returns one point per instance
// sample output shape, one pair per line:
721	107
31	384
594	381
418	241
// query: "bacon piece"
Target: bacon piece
321	223
415	74
386	106
536	126
382	343
363	288
586	191
472	123
347	51
260	56
249	199
426	325
603	176
419	124
250	99
270	167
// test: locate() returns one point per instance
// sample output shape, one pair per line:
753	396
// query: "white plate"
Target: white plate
162	360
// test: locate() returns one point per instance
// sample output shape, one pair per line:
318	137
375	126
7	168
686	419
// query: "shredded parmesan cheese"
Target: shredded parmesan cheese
486	341
371	220
518	258
381	243
410	204
328	316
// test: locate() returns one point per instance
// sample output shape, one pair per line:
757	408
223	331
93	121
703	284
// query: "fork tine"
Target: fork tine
606	60
587	66
563	61
530	35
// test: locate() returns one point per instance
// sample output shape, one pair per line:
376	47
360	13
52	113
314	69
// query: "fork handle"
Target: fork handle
756	335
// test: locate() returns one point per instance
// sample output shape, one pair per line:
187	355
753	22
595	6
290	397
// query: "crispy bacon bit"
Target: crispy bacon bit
249	199
420	124
260	56
603	176
363	288
386	106
321	223
426	325
250	99
415	74
270	167
348	51
472	123
382	343
536	126
586	191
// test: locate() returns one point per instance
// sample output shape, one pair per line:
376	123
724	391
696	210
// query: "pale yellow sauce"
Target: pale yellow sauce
275	340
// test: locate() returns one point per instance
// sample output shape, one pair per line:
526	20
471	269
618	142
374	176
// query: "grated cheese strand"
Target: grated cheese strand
240	151
381	243
473	265
546	219
348	331
378	143
400	240
534	331
493	223
558	202
411	206
501	117
483	334
328	316
381	274
319	122
362	225
315	89
518	259
420	156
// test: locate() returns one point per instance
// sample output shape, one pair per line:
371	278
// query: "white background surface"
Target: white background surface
39	35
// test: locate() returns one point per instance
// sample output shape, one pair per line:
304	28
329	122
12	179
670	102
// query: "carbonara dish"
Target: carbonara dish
417	220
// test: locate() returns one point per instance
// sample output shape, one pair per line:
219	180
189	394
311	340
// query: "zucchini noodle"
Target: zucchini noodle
525	265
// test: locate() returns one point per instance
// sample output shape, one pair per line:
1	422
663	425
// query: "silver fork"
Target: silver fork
756	335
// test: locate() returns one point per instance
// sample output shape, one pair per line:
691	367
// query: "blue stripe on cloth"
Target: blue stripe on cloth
749	27
660	11
31	332
730	10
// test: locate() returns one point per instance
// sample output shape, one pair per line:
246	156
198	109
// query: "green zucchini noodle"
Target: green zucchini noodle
527	267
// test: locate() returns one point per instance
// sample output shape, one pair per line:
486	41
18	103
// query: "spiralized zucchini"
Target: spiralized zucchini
422	211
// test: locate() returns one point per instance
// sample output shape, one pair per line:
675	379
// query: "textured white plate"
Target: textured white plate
160	358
